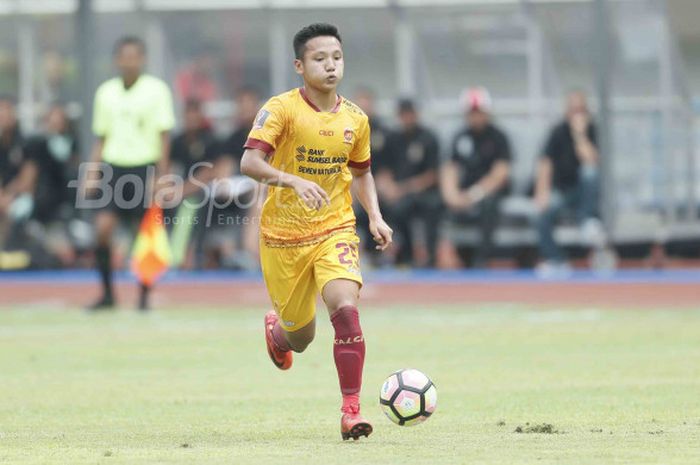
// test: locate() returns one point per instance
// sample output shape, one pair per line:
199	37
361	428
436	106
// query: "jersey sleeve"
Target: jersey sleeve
164	113
100	118
360	157
268	127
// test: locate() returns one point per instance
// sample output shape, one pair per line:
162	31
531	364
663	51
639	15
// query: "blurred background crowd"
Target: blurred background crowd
517	134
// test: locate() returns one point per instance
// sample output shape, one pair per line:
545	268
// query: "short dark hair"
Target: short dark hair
129	40
406	105
309	32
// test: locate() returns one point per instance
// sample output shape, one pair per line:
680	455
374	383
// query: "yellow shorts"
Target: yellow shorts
295	275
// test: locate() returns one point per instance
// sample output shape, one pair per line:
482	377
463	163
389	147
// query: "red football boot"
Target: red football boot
281	358
352	425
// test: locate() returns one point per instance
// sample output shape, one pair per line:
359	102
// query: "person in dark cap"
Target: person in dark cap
408	186
475	178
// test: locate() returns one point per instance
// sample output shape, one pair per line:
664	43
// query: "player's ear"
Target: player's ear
299	66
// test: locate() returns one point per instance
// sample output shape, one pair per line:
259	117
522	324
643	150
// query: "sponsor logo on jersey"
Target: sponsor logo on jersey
301	151
326	132
261	118
348	135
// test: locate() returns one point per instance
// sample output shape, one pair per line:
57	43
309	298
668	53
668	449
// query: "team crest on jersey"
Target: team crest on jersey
348	135
301	152
261	118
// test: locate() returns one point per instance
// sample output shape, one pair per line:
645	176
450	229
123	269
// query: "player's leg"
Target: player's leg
105	222
341	296
338	277
288	274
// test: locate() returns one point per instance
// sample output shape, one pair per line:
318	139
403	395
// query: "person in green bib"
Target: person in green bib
133	116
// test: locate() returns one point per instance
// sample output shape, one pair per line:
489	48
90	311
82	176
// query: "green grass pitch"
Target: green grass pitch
195	387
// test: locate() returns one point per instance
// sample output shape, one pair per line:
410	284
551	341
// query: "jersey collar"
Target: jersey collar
315	108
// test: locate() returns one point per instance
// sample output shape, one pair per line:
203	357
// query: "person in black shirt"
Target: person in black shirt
242	210
379	134
195	145
408	183
567	177
56	157
17	173
476	177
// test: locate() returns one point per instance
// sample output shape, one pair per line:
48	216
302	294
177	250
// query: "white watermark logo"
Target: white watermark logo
100	185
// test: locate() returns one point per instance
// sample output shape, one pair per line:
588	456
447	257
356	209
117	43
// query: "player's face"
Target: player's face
477	119
56	120
576	104
130	60
408	119
322	64
194	119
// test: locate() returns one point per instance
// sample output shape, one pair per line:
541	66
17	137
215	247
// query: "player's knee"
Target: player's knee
299	345
342	303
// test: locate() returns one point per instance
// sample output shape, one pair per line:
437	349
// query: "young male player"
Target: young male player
309	145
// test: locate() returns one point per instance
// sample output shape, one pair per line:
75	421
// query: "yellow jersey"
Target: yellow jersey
132	120
319	146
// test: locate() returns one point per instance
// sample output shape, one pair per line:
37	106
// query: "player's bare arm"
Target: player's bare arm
255	165
367	195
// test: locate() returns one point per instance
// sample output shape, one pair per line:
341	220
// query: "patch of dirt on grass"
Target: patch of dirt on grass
543	428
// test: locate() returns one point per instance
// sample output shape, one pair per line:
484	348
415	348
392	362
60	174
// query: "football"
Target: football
408	397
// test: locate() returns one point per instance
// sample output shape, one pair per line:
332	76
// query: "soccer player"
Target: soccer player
309	145
132	120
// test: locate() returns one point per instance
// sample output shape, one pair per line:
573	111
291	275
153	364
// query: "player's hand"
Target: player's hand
311	193
381	232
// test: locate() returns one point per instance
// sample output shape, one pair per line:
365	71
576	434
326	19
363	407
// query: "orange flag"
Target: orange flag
151	255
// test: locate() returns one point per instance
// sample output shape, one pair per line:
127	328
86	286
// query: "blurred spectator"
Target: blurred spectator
476	177
365	99
196	80
408	184
193	153
57	77
247	106
56	156
567	178
195	144
221	242
17	174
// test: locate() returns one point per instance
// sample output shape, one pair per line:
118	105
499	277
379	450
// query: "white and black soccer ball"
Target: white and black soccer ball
408	397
